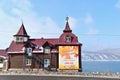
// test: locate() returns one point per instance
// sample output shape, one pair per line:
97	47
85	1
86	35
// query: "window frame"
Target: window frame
1	60
47	50
29	51
46	63
19	39
28	62
68	38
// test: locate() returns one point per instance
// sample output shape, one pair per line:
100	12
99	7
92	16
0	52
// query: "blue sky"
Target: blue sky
95	22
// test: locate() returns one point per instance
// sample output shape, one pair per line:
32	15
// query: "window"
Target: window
47	50
25	39
28	62
29	51
46	63
1	60
19	39
68	39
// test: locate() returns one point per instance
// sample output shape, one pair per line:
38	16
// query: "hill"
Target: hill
102	55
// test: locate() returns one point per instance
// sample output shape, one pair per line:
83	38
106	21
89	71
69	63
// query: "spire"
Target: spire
22	31
67	27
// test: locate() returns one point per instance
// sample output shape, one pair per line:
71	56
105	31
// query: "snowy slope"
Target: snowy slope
103	55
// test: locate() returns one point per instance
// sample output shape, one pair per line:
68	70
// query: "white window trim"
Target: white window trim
68	38
28	62
46	64
29	51
47	50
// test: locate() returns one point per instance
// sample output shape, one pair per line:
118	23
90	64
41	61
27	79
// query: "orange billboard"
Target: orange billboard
68	57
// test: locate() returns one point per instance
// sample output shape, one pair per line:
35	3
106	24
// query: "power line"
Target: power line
79	34
100	35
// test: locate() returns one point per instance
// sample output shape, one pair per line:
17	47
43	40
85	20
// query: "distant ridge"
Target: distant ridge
102	55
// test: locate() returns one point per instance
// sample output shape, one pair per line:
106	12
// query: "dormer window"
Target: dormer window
68	38
47	50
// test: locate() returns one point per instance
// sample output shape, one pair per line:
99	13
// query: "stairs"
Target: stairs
37	60
40	62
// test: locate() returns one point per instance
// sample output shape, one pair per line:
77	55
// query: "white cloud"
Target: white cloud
73	22
117	4
42	27
22	8
88	19
11	13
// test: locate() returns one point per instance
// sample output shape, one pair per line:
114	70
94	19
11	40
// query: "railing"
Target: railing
40	62
37	60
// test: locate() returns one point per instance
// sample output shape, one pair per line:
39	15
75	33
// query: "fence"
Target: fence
49	73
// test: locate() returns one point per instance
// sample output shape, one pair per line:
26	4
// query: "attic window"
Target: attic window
47	50
68	38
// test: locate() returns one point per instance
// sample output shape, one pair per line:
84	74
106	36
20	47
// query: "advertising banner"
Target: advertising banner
68	57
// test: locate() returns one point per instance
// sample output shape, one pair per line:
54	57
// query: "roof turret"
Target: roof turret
22	31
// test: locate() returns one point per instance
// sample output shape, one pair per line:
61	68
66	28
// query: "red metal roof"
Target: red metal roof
67	28
41	41
68	32
3	53
17	47
22	31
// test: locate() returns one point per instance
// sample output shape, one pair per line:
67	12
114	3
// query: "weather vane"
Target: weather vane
67	18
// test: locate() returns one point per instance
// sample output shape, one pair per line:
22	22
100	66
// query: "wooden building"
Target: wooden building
63	53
